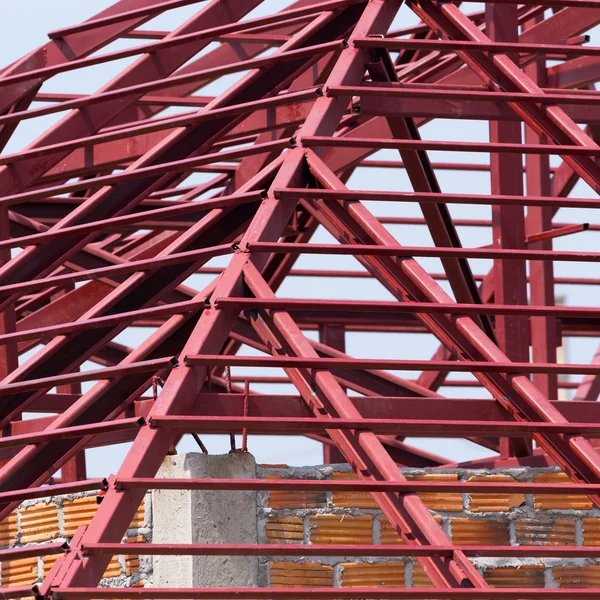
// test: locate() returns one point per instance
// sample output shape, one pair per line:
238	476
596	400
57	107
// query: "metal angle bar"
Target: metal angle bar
557	232
380	144
408	307
126	267
177	166
31	551
399	196
317	593
365	274
95	23
405	251
440	166
142	549
102	225
373	407
71	432
155	364
53	490
98	322
153	125
413	427
152	100
464	366
401	91
159	84
196	36
395	44
307	485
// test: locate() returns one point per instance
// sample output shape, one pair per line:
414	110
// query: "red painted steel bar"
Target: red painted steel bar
500	47
409	307
70	432
155	364
125	267
413	427
124	16
336	550
379	144
53	490
295	485
179	209
366	275
450	94
31	551
402	251
173	41
324	593
364	363
153	125
128	175
476	199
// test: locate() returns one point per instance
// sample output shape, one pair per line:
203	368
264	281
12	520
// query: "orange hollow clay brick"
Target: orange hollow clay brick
113	569
439	501
420	578
534	532
476	532
80	512
555	501
383	574
494	502
8	530
278	499
341	529
528	576
22	572
132	563
293	574
285	530
587	576
351	499
388	534
591	531
433	500
39	523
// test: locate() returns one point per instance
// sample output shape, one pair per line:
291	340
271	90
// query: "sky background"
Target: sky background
24	27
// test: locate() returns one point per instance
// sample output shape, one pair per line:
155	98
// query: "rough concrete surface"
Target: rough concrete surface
210	517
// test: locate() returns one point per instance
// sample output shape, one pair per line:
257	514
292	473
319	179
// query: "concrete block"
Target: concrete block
211	517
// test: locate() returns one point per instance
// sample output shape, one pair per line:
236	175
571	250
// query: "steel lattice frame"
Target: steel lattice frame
102	198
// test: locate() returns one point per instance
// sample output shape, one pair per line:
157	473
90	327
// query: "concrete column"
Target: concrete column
205	517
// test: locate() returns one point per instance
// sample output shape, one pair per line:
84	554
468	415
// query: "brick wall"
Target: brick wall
56	519
475	519
349	518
